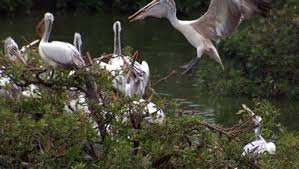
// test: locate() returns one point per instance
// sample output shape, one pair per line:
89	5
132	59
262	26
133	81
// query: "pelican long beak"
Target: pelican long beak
40	28
151	9
20	57
132	71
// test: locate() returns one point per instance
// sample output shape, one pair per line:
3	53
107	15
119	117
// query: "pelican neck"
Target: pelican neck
117	43
46	35
175	22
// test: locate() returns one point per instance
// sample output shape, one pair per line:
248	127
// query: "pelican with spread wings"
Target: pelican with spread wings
220	21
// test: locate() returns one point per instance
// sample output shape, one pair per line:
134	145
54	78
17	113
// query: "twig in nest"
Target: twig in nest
105	58
152	95
241	124
89	58
173	72
216	128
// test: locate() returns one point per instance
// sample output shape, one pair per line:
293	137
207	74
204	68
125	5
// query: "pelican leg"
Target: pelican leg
51	74
188	67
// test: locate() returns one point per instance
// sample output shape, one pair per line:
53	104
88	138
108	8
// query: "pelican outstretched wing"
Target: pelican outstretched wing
224	16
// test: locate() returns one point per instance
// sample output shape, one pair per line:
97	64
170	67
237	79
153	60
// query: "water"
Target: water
160	45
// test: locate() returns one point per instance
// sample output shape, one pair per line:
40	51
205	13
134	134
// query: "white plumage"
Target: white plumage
152	113
56	53
11	50
78	101
258	147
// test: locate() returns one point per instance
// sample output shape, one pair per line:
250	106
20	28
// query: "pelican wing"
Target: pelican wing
62	53
255	147
224	16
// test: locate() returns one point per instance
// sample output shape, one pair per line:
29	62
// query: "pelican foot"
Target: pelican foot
188	67
51	74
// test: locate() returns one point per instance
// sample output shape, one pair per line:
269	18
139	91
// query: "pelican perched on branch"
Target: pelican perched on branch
11	50
56	53
220	21
136	79
13	53
260	145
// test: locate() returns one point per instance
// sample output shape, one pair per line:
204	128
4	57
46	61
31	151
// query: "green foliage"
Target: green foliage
260	60
54	139
36	132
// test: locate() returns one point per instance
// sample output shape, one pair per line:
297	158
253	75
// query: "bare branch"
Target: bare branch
173	72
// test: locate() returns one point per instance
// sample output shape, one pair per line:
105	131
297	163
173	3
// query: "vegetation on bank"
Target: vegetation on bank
261	59
37	132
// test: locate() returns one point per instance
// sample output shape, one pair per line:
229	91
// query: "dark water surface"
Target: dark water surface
160	45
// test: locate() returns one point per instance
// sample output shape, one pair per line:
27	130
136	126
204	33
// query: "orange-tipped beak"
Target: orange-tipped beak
135	55
146	11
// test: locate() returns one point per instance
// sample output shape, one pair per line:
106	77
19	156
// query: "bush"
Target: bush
36	132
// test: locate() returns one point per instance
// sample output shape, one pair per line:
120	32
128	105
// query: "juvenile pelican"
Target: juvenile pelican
220	21
13	53
11	50
259	146
135	81
56	53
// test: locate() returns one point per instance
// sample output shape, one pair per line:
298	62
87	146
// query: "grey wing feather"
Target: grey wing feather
224	16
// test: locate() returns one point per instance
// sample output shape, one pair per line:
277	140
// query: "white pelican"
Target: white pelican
220	21
152	113
259	146
136	80
13	53
78	44
56	53
11	50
